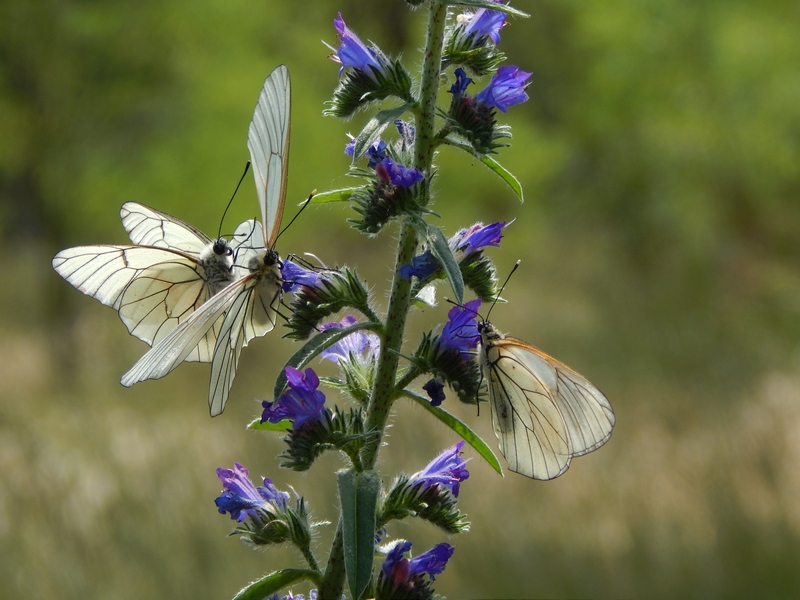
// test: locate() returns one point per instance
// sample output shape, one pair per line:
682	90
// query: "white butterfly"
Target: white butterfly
156	284
248	303
543	412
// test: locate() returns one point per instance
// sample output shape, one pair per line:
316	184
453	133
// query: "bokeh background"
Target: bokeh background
660	247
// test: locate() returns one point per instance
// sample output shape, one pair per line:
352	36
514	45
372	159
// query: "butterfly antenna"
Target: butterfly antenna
222	220
294	218
502	287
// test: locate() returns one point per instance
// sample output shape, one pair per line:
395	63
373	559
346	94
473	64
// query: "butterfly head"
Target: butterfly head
221	247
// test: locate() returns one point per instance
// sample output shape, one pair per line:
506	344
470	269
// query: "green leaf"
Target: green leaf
327	196
461	428
505	175
441	250
374	127
280	426
313	347
358	496
275	582
486	4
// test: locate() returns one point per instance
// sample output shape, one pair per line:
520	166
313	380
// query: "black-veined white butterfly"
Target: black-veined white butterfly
249	303
543	412
156	284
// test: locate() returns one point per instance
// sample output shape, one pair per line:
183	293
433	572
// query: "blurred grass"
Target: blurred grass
659	156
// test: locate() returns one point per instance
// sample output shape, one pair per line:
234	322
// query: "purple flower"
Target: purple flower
422	266
295	277
448	469
507	87
397	174
435	390
461	330
477	237
352	52
357	343
400	570
302	402
242	499
486	22
462	81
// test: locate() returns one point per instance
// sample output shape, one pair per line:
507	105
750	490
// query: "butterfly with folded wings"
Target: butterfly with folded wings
543	412
247	305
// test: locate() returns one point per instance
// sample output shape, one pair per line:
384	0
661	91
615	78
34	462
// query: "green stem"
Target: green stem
333	580
383	391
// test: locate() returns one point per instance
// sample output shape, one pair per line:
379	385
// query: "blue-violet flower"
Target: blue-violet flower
302	402
399	569
358	343
486	22
435	390
475	238
461	330
397	174
448	470
352	52
295	277
506	88
242	499
461	83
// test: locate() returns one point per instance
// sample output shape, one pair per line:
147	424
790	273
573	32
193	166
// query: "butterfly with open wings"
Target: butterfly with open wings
156	284
543	412
247	305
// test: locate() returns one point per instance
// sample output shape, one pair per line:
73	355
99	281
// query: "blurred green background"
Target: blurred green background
660	247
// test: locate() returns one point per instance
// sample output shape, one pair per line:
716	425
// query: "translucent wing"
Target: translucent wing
153	289
241	311
543	412
268	141
149	227
251	315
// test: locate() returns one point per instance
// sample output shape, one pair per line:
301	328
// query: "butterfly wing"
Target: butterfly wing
153	289
543	412
251	314
529	427
149	227
268	141
173	348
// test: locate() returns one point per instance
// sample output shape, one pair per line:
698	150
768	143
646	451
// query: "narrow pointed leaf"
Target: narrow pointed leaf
340	195
275	582
441	250
461	429
374	127
280	426
358	496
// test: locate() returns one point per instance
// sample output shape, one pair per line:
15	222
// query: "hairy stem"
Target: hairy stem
383	391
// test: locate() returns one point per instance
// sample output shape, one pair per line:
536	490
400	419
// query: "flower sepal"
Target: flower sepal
463	375
476	52
382	201
334	430
311	305
359	88
264	514
429	494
